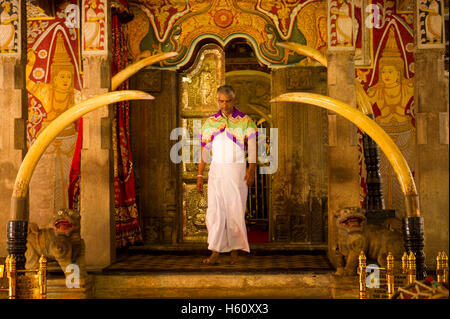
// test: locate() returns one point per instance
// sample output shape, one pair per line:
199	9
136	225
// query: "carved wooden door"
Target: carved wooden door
300	185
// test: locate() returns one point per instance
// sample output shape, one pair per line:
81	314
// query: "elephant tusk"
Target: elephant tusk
372	129
305	50
135	67
35	152
18	202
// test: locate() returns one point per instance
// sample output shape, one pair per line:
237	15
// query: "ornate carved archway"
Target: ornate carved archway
181	25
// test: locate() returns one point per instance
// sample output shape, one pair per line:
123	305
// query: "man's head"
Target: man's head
226	98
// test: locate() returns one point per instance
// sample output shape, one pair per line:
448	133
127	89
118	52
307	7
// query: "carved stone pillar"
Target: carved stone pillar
432	149
432	154
343	168
96	184
13	114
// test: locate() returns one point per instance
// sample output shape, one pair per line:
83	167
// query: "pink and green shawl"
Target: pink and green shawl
239	128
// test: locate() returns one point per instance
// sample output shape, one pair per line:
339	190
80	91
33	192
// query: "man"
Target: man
228	134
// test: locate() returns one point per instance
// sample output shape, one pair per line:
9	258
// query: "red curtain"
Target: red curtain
128	230
74	175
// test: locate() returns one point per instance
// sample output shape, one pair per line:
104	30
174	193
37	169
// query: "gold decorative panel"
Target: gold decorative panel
198	101
200	82
193	126
194	209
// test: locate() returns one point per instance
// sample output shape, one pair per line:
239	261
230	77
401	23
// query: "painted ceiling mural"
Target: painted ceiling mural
387	83
165	25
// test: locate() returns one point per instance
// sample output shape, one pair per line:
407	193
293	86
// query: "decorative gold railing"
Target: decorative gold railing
21	284
408	269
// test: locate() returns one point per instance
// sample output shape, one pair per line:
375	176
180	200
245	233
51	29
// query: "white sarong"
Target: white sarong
227	197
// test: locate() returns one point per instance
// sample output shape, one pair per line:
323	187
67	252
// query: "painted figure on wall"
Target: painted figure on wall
433	21
391	99
7	30
344	25
92	27
56	97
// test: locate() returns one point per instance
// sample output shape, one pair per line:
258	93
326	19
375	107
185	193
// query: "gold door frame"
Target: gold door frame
197	90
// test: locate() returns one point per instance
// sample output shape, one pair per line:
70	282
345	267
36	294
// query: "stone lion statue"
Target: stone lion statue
376	241
61	242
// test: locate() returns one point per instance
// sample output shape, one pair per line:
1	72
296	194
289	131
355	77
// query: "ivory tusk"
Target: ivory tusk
135	67
372	129
18	203
54	128
305	50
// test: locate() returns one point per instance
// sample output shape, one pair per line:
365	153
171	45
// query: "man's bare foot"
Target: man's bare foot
212	260
234	257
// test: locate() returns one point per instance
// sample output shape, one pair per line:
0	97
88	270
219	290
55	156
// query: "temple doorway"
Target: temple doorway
285	210
252	82
237	65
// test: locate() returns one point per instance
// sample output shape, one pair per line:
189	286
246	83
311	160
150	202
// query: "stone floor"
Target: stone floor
285	263
180	275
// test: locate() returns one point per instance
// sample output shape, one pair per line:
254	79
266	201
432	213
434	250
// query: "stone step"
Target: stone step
213	285
114	285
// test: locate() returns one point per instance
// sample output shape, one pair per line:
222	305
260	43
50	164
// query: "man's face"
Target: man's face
226	103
